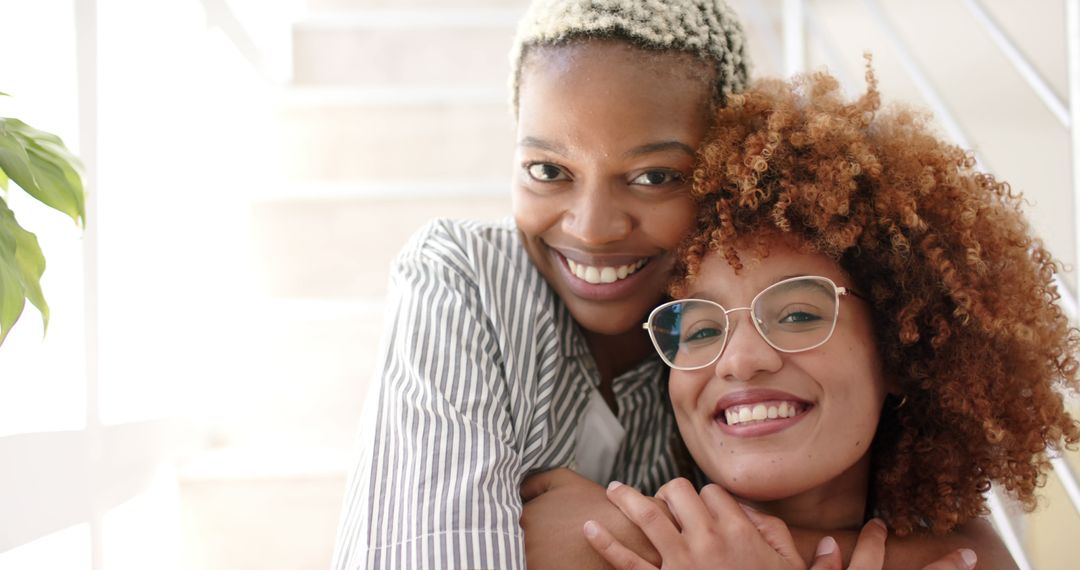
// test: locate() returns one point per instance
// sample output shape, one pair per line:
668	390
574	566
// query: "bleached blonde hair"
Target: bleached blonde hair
708	29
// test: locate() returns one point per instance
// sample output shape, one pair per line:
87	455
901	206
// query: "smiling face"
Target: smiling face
605	151
810	463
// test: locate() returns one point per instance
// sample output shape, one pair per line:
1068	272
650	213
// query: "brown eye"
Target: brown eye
545	172
657	178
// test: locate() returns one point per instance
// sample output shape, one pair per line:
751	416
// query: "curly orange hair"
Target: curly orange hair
962	294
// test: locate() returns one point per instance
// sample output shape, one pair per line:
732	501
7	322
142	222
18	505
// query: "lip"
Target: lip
602	291
749	397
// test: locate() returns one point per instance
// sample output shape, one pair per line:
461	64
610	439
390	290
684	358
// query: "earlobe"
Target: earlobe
895	396
895	400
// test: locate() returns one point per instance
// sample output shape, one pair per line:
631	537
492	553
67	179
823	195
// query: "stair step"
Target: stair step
341	248
310	365
383	189
388	134
404	47
342	5
266	524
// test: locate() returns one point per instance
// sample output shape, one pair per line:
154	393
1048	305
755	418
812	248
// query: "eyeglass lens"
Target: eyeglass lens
792	315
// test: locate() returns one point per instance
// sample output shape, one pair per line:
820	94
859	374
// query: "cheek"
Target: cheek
670	221
534	214
860	386
684	390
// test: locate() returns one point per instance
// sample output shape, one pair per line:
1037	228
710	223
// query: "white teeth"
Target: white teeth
596	275
736	415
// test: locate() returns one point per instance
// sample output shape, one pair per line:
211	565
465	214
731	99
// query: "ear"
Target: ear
895	401
895	396
892	388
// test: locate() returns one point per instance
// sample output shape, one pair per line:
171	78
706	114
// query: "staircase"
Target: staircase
397	113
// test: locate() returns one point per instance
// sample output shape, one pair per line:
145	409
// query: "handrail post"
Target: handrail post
794	22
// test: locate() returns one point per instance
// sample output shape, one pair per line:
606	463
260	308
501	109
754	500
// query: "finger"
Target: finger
613	551
685	505
963	559
776	534
827	556
542	482
646	514
720	503
869	553
664	508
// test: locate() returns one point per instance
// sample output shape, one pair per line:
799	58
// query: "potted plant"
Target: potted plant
39	164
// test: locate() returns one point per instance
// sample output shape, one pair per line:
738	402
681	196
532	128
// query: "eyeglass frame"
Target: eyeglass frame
838	291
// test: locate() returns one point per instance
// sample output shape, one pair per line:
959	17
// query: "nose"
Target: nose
598	216
747	354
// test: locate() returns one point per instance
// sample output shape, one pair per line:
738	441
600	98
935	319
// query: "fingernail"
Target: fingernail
590	529
613	485
968	556
880	523
826	546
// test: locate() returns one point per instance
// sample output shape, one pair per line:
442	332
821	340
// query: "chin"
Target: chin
761	485
601	321
605	327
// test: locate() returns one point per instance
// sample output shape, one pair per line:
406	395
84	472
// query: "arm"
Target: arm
437	480
918	551
557	503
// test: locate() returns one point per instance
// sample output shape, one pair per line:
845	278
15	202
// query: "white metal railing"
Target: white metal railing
86	38
1020	62
1072	39
798	16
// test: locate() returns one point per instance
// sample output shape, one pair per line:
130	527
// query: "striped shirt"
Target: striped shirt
484	379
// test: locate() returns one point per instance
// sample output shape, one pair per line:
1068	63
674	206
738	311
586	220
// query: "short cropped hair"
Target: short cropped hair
708	29
962	294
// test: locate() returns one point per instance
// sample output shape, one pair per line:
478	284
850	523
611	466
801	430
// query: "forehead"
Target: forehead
716	278
603	96
617	71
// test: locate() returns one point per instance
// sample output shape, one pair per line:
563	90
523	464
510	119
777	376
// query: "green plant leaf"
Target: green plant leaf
12	297
3	180
44	168
14	160
30	263
21	267
12	300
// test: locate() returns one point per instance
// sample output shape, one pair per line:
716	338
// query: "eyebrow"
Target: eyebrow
542	144
650	148
659	147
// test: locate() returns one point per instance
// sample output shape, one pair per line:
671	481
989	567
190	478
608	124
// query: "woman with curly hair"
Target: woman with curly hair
864	329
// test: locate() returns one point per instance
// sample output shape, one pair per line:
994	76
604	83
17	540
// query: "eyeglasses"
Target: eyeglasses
792	315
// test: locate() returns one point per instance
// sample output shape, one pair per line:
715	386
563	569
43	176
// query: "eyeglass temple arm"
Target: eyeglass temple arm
845	291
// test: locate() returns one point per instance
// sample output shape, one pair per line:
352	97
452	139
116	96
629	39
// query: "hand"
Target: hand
962	559
869	552
709	531
720	533
932	552
556	504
